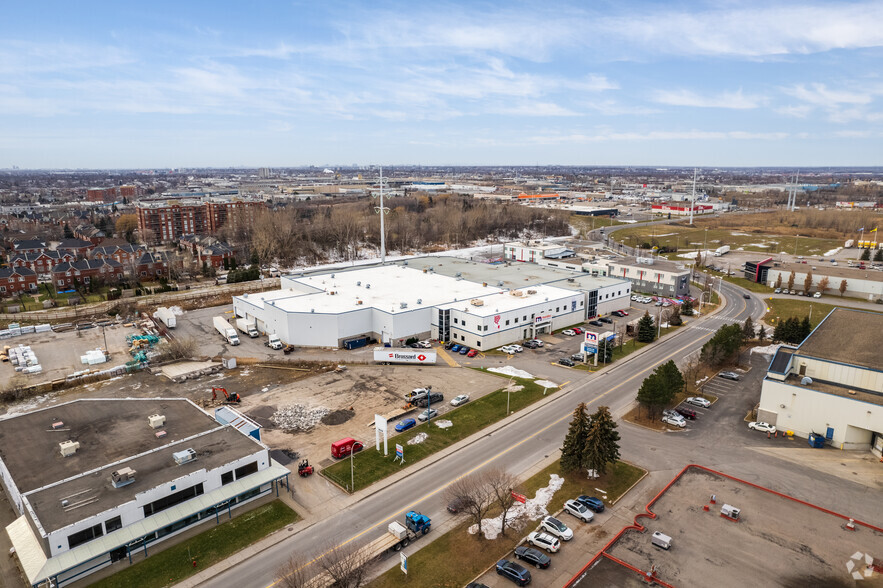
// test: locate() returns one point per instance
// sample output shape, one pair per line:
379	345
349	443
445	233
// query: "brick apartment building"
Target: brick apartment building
124	254
41	263
166	219
77	247
111	194
91	233
17	279
29	246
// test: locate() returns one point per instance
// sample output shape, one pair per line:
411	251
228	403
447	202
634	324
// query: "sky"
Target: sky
213	84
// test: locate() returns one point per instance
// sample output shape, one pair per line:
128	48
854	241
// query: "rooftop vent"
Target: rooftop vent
122	477
403	305
458	275
332	276
182	457
571	280
500	283
405	262
533	292
358	302
368	286
312	310
156	421
518	293
68	448
419	301
476	302
57	425
806	381
359	283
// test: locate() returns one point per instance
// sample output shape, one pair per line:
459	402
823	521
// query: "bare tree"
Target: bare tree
823	285
791	280
293	573
501	484
842	288
807	282
346	565
473	496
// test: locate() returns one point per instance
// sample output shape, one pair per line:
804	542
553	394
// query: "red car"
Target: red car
577	330
472	353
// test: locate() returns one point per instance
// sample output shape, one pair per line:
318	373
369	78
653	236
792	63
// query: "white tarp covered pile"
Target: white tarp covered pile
93	356
24	360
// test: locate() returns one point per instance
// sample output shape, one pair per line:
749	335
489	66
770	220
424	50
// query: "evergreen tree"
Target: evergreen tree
779	331
651	395
805	329
572	457
232	263
687	308
605	351
779	281
866	255
723	346
646	330
672	379
748	329
602	442
879	255
68	233
255	260
761	334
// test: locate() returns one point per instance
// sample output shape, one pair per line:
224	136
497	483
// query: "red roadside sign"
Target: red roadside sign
519	497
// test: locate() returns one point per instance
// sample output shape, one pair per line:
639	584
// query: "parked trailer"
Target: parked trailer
392	355
166	316
226	331
247	327
721	250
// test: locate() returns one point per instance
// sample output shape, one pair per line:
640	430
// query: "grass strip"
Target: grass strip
174	564
456	557
370	465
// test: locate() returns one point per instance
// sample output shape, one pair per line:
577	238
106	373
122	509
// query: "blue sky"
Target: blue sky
180	84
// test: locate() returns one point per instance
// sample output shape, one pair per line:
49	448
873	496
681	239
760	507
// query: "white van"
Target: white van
660	540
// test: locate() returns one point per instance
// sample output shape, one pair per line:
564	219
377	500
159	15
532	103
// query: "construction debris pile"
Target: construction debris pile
24	359
140	346
298	417
93	356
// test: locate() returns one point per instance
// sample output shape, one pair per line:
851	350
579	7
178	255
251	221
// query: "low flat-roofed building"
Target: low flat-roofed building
860	283
832	384
651	275
104	478
415	298
535	251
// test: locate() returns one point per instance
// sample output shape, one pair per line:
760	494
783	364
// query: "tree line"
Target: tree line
311	232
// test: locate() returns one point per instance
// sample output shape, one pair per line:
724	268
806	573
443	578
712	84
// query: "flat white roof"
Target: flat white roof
506	301
385	288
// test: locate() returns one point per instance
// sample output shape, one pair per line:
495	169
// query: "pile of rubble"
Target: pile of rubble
298	417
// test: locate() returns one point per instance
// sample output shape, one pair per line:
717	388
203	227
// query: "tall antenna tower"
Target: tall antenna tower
382	211
693	201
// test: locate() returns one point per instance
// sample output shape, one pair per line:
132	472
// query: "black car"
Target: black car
529	345
476	585
596	323
533	556
686	413
604	319
513	571
449	345
566	361
433	398
746	296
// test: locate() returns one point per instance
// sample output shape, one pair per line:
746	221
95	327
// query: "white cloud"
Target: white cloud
821	95
734	100
691	135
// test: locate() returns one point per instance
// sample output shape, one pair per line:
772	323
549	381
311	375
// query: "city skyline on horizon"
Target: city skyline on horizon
707	84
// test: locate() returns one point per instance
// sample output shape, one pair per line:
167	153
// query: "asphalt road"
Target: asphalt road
527	439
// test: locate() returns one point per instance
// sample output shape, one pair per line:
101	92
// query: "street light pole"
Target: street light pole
352	471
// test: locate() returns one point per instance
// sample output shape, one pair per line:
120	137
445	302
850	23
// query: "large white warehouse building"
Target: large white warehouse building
444	298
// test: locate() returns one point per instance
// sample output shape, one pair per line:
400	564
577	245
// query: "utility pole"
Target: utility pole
693	200
381	210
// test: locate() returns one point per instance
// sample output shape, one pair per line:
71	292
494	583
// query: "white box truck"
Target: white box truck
166	316
392	355
226	331
721	250
247	327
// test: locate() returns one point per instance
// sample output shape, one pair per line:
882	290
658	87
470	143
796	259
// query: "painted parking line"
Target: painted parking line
447	357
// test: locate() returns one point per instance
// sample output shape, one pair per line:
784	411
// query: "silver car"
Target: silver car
579	510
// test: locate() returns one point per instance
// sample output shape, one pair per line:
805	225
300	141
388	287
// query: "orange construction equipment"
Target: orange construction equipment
228	398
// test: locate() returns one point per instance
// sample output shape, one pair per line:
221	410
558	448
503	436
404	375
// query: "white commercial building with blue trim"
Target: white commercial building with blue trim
103	480
831	384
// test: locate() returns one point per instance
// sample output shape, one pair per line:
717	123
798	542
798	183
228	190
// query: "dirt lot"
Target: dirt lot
59	353
777	542
368	390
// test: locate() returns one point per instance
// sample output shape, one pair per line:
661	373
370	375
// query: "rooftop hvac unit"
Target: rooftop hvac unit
403	305
68	448
518	293
368	286
419	301
156	421
533	292
477	302
358	302
332	276
359	283
806	381
500	283
458	275
182	457
571	280
122	477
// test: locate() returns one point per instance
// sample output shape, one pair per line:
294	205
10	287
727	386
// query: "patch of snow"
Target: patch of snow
511	371
832	252
546	384
761	245
176	310
533	509
245	372
766	350
265	389
443	424
418	438
28	405
742	234
740	249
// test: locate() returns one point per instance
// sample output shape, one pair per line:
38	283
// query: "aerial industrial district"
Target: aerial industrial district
615	377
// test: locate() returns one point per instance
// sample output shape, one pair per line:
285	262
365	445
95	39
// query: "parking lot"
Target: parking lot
776	541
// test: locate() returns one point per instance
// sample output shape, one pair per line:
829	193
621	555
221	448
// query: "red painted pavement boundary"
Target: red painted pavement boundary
651	515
